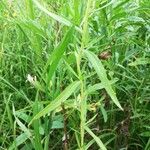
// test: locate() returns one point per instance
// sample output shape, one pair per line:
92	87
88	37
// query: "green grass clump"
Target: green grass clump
75	74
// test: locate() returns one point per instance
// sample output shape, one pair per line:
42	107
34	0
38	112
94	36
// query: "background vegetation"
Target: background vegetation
74	74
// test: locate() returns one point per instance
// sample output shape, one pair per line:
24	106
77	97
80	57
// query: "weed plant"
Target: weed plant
74	74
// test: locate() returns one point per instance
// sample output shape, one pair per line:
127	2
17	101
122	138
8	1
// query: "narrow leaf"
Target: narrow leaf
104	113
98	86
57	102
140	61
97	139
58	53
55	16
18	141
21	125
101	72
104	6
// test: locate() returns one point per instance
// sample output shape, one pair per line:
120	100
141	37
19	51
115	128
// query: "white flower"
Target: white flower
31	79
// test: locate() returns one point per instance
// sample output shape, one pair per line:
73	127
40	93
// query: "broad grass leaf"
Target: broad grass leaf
58	101
101	72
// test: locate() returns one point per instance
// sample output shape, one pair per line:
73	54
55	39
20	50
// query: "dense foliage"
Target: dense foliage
75	74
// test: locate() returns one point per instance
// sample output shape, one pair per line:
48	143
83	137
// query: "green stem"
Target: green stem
80	53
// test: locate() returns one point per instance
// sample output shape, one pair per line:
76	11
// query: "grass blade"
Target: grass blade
140	61
54	16
36	125
97	139
58	53
21	125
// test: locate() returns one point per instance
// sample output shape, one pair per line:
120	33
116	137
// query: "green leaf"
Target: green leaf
22	115
36	125
58	53
97	139
145	134
31	25
104	113
19	140
57	122
98	86
21	125
58	101
101	72
23	137
55	16
140	61
9	85
104	6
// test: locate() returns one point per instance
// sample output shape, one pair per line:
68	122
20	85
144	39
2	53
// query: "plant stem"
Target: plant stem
65	128
79	57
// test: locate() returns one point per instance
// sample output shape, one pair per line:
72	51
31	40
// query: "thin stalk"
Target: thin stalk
79	57
65	144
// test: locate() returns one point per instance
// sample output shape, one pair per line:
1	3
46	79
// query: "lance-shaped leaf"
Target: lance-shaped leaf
58	101
101	72
57	54
55	16
97	139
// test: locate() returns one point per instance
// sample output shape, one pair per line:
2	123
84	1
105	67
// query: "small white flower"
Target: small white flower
31	79
64	138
